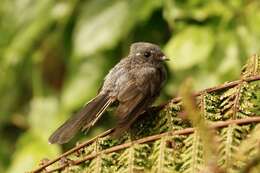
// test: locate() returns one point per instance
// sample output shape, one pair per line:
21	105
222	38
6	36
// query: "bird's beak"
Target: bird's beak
164	58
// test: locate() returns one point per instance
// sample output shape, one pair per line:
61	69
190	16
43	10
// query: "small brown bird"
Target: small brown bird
134	83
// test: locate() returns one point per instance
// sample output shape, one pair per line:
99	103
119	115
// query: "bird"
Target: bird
133	83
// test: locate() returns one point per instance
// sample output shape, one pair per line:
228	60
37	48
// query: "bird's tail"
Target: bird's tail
86	117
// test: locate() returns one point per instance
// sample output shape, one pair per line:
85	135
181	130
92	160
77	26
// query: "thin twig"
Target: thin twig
58	168
186	131
73	150
217	88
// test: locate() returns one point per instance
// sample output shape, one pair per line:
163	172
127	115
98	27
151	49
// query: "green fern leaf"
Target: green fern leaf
192	154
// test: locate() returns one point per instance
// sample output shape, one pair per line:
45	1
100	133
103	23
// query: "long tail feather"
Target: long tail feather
97	116
84	117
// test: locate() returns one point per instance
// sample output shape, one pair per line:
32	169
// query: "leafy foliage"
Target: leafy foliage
54	54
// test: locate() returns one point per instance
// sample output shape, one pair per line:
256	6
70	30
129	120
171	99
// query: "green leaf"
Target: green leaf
103	23
253	17
192	155
26	37
84	81
43	116
199	10
30	151
190	47
228	49
162	157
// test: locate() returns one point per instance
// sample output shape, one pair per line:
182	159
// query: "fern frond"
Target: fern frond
211	109
162	156
250	106
230	138
192	154
248	149
168	119
134	159
96	163
252	67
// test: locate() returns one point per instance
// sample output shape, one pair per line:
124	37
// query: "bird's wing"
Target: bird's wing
135	97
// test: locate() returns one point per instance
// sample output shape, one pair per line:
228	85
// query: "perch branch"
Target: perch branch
186	131
220	87
171	133
73	150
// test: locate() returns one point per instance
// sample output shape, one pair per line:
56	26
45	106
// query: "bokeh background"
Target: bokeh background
55	53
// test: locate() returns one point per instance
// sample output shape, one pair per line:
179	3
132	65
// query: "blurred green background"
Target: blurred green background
54	55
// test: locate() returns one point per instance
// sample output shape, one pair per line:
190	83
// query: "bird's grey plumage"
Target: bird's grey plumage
134	82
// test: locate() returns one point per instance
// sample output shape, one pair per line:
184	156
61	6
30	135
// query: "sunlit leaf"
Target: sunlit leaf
190	47
83	83
30	152
103	23
43	115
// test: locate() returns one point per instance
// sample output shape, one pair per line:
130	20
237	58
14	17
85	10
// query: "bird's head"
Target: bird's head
148	51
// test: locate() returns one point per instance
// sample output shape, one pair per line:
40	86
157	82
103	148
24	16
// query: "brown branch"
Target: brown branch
217	88
73	150
186	131
175	100
57	169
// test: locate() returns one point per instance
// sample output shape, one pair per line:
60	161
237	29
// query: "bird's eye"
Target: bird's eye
147	54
